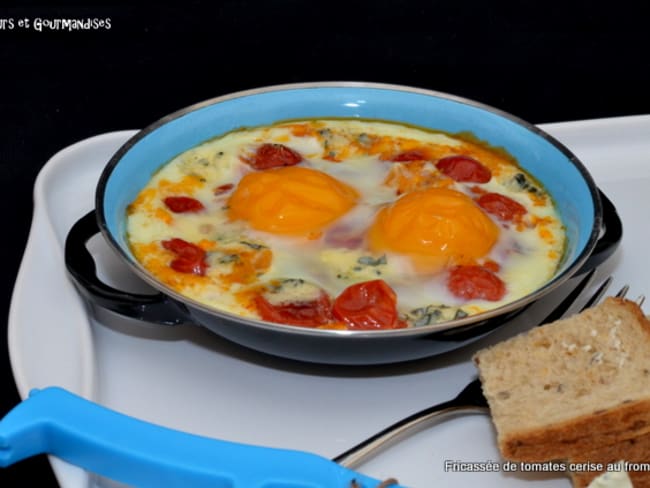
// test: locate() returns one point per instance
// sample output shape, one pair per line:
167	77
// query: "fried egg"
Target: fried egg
434	226
290	200
295	207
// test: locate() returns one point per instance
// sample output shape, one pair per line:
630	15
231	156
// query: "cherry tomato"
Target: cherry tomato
475	282
184	249
223	188
413	155
183	204
464	169
307	314
273	155
184	265
190	257
501	206
492	266
368	305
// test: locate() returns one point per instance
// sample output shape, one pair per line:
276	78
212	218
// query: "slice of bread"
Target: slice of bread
634	455
567	387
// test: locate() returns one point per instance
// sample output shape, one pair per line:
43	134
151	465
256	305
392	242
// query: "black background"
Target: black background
541	61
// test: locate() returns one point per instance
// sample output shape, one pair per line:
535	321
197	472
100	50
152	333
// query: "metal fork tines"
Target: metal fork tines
470	399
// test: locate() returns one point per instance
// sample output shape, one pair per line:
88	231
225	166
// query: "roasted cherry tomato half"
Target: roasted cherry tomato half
501	206
367	306
190	257
475	282
413	155
464	169
274	155
184	249
183	204
221	189
311	313
184	265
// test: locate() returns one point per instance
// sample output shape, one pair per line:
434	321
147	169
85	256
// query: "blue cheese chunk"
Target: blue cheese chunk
432	314
349	265
292	290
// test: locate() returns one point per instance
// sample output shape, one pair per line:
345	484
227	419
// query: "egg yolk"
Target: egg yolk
290	200
435	226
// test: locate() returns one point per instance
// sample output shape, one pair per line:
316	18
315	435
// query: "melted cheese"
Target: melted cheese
336	244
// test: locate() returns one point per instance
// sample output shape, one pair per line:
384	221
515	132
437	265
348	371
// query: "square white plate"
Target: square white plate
189	379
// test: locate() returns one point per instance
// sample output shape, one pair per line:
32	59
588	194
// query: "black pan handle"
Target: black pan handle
608	242
157	308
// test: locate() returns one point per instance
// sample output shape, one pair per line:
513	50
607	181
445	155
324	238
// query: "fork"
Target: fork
470	399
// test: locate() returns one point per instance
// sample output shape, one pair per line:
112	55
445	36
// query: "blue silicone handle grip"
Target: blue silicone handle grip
141	454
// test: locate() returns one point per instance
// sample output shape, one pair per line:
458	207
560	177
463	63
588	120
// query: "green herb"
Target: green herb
293	282
460	314
252	245
228	258
524	184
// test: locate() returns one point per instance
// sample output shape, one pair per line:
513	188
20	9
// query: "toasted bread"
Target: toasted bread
565	388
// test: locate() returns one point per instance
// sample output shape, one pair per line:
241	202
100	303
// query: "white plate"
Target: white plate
189	379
